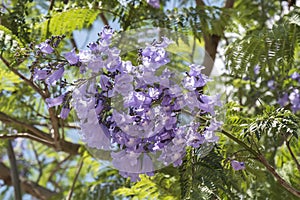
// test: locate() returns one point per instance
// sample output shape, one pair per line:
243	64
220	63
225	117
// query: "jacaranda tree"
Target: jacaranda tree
187	99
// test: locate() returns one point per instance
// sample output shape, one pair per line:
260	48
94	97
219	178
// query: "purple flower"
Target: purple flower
154	57
45	47
123	84
64	112
154	3
194	138
295	75
55	101
284	100
40	74
210	136
107	33
72	57
236	165
56	75
271	84
295	100
195	70
256	69
104	82
93	46
95	134
208	103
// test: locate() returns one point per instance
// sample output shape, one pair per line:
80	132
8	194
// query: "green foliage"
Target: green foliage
272	49
206	172
66	22
275	123
8	41
162	186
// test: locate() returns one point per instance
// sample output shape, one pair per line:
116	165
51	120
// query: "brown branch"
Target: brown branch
212	42
293	155
73	42
60	125
75	179
14	171
51	5
40	168
40	136
66	146
10	120
58	166
25	135
27	81
26	185
200	3
104	19
55	127
281	181
269	167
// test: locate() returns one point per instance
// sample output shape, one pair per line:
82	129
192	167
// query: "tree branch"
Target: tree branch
75	179
281	181
292	154
27	81
212	42
14	171
38	135
270	168
104	19
26	185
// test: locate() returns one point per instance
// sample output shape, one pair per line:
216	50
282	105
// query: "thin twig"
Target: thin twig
38	162
27	81
75	179
51	5
14	171
292	154
58	166
25	135
270	168
104	19
73	42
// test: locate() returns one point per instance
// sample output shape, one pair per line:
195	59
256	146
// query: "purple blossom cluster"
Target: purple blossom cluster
292	97
141	113
154	3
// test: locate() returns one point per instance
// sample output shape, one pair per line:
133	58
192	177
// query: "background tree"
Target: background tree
257	40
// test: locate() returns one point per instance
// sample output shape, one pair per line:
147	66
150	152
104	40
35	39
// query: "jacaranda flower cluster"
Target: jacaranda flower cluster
146	114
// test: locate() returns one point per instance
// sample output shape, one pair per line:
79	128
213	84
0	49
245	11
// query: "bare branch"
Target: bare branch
293	155
27	81
269	167
26	185
75	179
38	135
212	42
14	171
10	120
104	19
280	180
36	155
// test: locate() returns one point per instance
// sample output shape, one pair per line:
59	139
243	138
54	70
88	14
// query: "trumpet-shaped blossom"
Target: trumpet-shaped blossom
154	3
55	101
40	74
45	47
64	112
236	165
72	57
55	76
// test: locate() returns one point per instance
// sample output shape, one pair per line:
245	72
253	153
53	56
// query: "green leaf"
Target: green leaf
66	22
8	41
